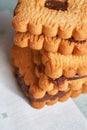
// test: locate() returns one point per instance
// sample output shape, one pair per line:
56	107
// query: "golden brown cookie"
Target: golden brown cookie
73	80
76	93
23	61
54	44
52	86
64	18
39	88
48	98
57	65
84	88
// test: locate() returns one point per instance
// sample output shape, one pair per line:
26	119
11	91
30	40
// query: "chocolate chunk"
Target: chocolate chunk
56	5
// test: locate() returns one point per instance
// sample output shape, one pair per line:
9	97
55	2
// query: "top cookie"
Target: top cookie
65	18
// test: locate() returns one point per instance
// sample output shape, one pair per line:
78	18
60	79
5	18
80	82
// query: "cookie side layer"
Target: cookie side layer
48	99
25	89
55	44
56	64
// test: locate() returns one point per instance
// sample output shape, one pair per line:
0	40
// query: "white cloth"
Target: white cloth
15	111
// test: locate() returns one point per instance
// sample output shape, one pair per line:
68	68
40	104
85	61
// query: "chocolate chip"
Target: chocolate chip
56	5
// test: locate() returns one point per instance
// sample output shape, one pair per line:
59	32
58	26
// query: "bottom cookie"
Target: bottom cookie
39	103
47	99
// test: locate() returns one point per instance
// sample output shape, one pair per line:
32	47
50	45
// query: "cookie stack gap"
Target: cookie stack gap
50	51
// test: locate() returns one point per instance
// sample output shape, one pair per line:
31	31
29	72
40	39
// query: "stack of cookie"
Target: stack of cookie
50	51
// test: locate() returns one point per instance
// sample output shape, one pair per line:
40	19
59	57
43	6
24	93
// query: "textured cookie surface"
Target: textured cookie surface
57	65
23	61
54	44
29	82
41	16
54	95
37	86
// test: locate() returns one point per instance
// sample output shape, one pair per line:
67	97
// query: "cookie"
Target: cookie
23	60
60	84
48	99
54	44
41	90
57	65
64	18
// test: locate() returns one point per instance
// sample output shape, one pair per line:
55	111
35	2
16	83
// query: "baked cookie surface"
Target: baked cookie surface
54	44
64	18
37	86
56	65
